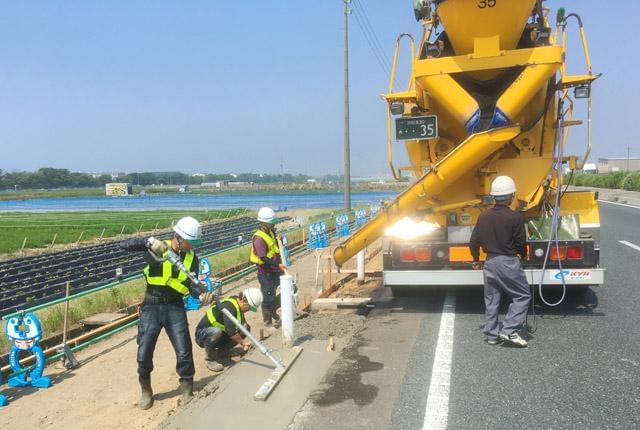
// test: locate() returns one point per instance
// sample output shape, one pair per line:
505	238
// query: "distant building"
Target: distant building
590	168
118	189
612	165
217	184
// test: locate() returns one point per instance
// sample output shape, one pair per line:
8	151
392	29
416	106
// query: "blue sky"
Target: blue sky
230	86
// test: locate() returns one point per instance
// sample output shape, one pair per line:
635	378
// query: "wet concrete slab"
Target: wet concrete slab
232	405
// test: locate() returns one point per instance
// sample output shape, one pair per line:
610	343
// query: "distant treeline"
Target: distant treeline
50	178
619	180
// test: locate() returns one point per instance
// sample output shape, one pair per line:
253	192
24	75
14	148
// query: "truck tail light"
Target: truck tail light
554	253
575	252
423	254
409	255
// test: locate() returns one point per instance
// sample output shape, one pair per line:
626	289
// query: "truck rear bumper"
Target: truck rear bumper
576	277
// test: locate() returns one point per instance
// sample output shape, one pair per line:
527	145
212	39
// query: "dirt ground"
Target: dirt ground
103	392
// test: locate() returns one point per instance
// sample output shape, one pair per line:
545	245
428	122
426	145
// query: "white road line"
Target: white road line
630	245
619	204
437	409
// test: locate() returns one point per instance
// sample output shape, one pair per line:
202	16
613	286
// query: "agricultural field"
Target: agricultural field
42	229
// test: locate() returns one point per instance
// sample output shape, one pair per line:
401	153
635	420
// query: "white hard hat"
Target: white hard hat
266	215
503	186
253	296
189	229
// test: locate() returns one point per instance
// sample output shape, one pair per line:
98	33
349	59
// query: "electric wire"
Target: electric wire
369	38
365	15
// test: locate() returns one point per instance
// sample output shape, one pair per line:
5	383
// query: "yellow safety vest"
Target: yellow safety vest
165	280
272	246
219	325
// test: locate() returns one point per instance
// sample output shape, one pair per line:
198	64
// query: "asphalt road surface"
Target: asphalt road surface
581	370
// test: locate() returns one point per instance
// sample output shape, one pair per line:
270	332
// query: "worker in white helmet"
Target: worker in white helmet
163	305
265	254
217	333
501	233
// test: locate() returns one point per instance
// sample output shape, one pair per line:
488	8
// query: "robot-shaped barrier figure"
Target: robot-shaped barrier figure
25	331
191	303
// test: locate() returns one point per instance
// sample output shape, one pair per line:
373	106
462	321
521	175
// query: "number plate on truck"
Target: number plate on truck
420	127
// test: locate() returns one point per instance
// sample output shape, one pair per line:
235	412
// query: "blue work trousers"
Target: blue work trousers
173	318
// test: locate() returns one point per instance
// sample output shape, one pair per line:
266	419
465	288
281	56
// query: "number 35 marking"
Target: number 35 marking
486	3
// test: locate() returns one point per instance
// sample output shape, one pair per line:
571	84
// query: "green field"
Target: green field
40	228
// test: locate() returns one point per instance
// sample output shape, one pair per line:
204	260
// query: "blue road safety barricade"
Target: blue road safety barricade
190	302
360	217
373	211
285	250
25	332
342	225
318	237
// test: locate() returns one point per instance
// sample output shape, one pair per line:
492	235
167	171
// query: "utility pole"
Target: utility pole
347	155
628	153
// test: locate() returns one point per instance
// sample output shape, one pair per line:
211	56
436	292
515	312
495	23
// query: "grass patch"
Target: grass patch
40	228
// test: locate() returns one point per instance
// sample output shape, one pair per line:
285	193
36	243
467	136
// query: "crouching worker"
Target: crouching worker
217	333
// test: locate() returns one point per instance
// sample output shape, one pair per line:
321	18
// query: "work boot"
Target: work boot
276	319
214	366
186	390
514	339
146	397
211	360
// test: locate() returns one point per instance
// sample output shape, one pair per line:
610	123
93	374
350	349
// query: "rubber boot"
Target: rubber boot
146	397
186	390
211	360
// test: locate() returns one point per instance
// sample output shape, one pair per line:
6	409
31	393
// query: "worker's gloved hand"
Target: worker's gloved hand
156	246
246	345
282	267
208	297
476	265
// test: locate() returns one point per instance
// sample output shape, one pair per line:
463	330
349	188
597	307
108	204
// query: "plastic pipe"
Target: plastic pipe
360	267
288	310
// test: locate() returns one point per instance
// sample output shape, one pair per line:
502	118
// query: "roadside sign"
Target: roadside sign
419	127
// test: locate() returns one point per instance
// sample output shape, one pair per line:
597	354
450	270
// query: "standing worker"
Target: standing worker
163	305
265	254
217	333
501	233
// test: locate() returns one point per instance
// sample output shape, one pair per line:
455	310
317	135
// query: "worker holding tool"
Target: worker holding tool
218	334
265	254
501	233
163	305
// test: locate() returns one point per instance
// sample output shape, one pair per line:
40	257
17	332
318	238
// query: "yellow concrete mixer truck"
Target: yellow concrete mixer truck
489	94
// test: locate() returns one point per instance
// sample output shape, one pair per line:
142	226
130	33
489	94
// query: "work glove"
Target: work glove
156	246
207	298
246	345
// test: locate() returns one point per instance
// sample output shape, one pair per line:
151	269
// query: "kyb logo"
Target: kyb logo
573	275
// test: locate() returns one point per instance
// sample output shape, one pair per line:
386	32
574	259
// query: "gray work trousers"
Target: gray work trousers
504	274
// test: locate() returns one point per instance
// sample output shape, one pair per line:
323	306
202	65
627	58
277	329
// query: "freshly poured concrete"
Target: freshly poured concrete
232	404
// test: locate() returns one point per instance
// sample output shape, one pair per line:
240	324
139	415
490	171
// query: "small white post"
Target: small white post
287	309
360	257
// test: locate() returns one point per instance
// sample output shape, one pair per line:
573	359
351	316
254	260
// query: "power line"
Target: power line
365	14
379	59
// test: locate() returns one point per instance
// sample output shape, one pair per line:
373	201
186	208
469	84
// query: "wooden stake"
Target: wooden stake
122	231
101	234
80	237
54	240
66	313
24	243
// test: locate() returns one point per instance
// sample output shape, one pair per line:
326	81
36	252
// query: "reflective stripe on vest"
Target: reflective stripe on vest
212	318
165	280
272	246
